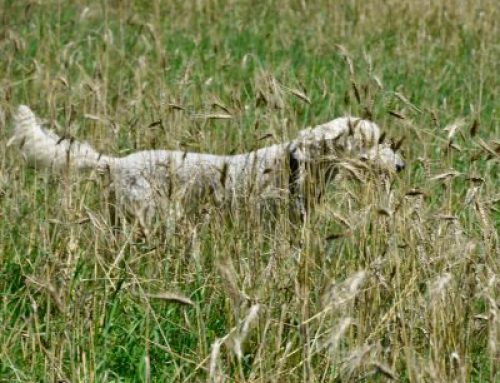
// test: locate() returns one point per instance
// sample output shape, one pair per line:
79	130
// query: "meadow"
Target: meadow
390	278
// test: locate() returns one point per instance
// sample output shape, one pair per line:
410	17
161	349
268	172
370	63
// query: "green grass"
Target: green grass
426	306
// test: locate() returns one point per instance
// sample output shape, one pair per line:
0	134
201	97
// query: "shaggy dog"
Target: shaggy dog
164	182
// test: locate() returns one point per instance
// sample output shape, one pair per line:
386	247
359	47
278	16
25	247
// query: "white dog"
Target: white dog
162	182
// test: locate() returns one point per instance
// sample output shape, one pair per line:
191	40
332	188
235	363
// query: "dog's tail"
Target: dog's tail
43	148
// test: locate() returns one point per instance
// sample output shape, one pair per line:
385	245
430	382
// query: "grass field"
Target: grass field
387	280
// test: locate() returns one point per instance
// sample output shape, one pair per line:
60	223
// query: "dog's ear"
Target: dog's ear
367	134
294	165
381	139
297	204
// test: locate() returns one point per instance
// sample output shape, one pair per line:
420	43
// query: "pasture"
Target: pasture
390	278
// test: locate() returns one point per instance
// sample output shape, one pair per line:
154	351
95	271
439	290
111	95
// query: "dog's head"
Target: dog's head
347	136
384	157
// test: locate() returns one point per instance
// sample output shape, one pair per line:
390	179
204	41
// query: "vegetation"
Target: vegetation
388	279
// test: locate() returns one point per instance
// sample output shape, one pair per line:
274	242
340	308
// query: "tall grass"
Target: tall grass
393	279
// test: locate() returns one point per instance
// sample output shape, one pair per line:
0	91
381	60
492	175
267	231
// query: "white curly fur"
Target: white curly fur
146	182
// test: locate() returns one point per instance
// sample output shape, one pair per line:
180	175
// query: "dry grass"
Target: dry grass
393	279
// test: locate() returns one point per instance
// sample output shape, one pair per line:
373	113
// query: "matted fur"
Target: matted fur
147	182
